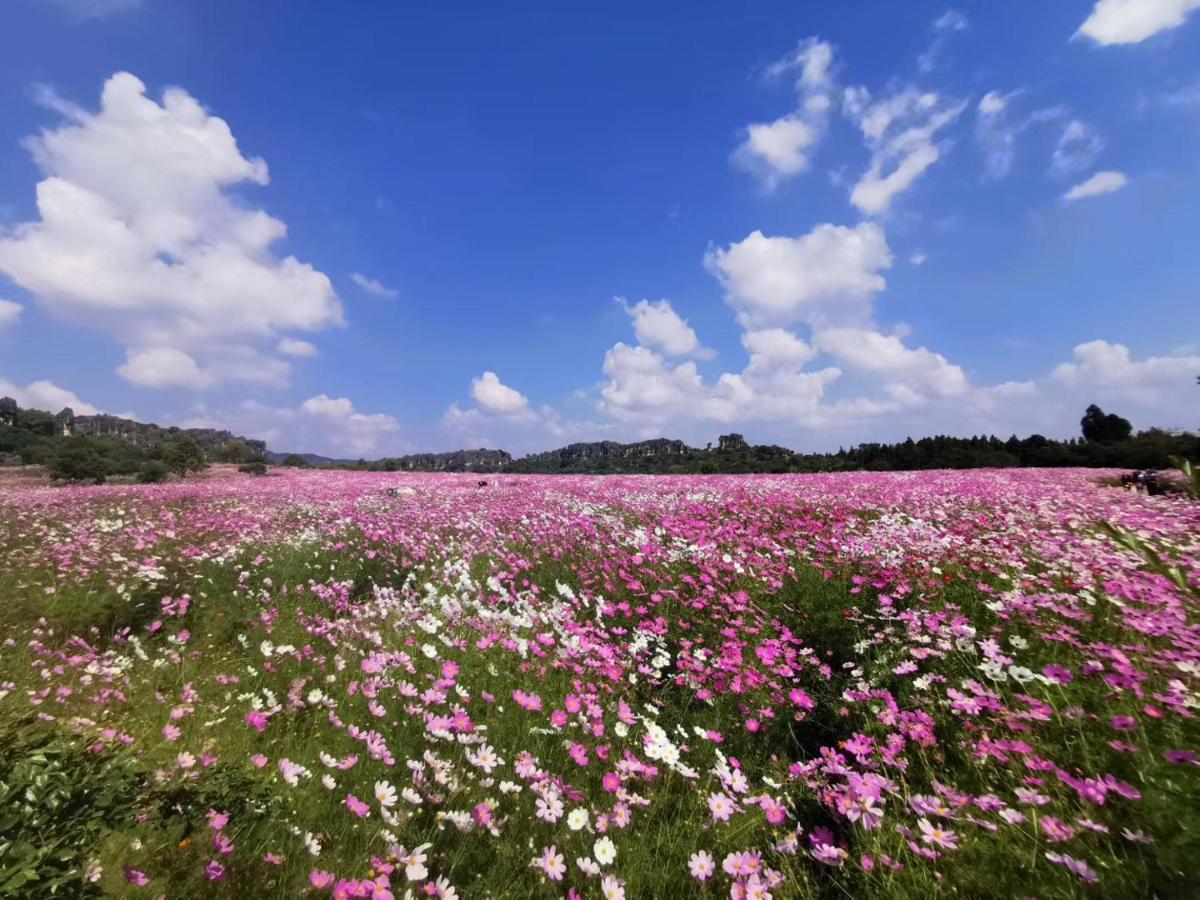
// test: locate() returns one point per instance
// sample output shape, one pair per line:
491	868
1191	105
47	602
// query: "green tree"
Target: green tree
183	456
1099	426
295	462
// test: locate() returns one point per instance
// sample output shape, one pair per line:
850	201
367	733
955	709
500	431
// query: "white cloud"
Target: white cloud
996	136
776	151
374	287
10	312
919	370
948	23
293	347
45	395
900	131
496	397
163	367
1100	183
830	274
139	236
331	426
1132	21
83	10
918	258
658	325
1078	146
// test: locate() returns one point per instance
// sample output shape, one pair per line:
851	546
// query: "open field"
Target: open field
861	685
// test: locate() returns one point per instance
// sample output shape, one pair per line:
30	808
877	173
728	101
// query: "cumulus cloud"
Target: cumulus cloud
1100	183
1132	21
163	367
830	274
658	325
919	370
900	130
295	347
45	395
494	396
778	150
139	236
331	426
10	312
1078	146
374	287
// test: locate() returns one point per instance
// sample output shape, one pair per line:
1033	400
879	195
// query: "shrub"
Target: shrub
78	460
153	472
256	467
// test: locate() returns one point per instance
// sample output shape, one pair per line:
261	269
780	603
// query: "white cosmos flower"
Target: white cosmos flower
385	793
577	819
605	851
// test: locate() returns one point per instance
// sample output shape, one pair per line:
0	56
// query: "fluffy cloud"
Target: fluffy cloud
900	131
294	347
374	287
778	150
1100	183
10	312
139	236
658	325
163	367
830	274
45	395
322	424
1078	146
919	370
494	396
1132	21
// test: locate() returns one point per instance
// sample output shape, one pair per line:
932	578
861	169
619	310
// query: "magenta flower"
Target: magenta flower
356	806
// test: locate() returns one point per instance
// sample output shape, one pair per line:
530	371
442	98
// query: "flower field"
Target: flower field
383	685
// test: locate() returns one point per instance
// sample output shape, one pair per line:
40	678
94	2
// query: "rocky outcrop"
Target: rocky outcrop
584	455
456	461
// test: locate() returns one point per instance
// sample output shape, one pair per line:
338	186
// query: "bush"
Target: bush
257	467
153	472
79	461
296	462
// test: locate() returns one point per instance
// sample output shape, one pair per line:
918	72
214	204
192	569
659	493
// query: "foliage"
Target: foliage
295	461
58	800
183	456
153	471
254	467
1100	426
1191	474
79	460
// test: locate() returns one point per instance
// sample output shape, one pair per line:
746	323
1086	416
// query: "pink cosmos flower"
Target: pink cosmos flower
357	806
256	720
936	835
320	879
701	865
135	876
214	870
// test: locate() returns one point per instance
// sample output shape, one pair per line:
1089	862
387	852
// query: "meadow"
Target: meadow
357	684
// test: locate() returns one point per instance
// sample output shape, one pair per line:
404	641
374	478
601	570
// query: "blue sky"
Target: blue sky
400	229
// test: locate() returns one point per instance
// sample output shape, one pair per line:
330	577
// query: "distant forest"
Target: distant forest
95	448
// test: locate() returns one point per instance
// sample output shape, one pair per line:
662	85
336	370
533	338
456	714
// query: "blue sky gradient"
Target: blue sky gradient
497	176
